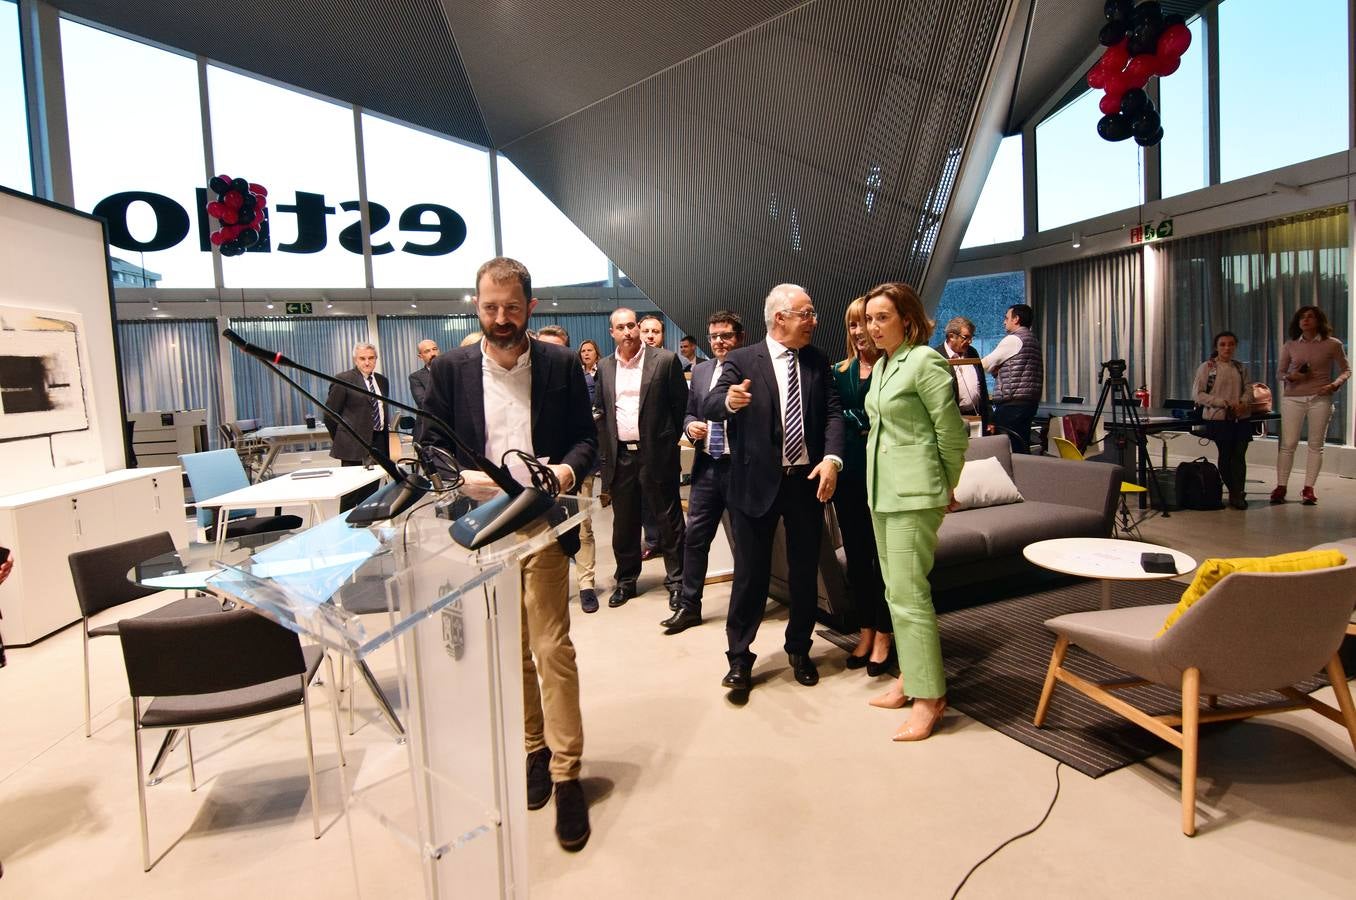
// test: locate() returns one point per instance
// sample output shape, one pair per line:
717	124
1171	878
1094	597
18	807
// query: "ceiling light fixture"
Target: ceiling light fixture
468	298
414	306
1077	240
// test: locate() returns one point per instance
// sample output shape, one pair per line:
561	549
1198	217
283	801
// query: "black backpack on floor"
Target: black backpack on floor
1199	485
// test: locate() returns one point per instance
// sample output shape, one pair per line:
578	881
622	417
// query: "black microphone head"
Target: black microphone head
234	338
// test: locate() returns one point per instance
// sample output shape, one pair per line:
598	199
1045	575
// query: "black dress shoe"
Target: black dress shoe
681	621
675	598
620	596
805	670
856	662
874	668
538	778
572	816
588	600
738	678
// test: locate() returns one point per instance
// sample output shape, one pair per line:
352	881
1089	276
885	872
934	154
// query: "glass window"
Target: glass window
136	152
441	226
541	237
302	150
998	215
983	300
322	343
14	165
1183	150
1079	175
1283	83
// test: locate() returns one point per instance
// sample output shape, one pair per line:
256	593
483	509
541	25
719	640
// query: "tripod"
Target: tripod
1126	427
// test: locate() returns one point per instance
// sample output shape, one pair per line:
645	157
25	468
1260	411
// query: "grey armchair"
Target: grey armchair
1250	632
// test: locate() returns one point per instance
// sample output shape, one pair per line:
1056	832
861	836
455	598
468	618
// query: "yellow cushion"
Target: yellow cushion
1212	570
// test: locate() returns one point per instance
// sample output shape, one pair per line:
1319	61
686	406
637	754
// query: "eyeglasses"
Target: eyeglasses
806	313
964	337
726	336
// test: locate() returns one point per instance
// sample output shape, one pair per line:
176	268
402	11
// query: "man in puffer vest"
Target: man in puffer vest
1019	378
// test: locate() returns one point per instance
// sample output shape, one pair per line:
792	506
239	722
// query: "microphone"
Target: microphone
485	524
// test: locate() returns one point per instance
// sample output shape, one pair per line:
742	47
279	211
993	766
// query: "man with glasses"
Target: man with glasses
710	471
972	390
779	402
639	401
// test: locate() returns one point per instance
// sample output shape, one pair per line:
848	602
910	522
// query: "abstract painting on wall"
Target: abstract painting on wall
42	384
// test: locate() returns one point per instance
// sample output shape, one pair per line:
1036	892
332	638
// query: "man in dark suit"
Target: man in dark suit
972	390
419	381
780	404
370	418
639	399
513	393
710	470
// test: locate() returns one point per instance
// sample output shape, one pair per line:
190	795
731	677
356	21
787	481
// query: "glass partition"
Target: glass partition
15	171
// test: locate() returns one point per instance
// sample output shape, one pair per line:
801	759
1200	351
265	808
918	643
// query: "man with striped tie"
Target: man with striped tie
710	470
784	424
369	417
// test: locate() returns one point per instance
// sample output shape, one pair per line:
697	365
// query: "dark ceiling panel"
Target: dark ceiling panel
818	148
395	57
532	62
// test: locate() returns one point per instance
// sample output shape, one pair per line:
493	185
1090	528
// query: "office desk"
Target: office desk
321	495
279	436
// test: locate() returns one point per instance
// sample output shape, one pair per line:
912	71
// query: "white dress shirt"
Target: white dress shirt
628	396
779	353
1007	348
967	378
508	405
715	376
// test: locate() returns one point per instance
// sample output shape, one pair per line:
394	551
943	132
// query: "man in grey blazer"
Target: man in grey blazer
639	402
420	379
368	417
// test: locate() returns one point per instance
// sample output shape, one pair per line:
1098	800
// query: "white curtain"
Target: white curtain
172	364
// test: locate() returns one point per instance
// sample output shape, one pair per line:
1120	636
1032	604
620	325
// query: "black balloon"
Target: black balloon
219	184
1146	124
1134	101
1115	127
243	186
1144	38
248	238
1174	19
1148	12
1150	140
1118	10
1111	33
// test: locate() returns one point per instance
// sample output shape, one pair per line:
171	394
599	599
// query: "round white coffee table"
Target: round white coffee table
1106	559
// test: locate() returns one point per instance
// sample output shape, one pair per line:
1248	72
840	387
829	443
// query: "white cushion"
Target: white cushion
984	483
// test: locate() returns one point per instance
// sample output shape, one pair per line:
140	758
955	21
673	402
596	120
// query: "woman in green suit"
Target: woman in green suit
853	375
914	454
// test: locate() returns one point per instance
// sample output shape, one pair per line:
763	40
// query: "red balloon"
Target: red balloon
1110	104
233	200
1174	40
225	178
215	209
1168	64
258	189
258	218
1097	77
232	231
1140	70
229	217
217	238
1115	58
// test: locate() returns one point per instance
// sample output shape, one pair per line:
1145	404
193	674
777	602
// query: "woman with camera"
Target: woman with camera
849	500
1308	361
1223	392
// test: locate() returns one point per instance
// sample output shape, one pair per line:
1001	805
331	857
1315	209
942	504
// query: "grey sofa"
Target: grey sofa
1060	498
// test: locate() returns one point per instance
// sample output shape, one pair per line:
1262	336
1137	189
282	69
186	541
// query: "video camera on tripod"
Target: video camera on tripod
1113	367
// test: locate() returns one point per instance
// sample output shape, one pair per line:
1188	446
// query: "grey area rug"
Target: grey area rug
996	656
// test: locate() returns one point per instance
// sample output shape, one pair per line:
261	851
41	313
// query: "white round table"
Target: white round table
1106	559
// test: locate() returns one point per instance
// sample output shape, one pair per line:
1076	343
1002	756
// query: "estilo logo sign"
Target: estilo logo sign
172	225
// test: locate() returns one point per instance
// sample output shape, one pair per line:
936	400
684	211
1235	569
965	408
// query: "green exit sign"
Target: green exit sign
1142	234
299	309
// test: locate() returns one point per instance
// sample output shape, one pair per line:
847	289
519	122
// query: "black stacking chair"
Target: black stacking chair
100	577
215	668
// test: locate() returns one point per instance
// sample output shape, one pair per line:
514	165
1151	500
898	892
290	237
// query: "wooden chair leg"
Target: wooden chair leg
1191	715
1056	660
1338	677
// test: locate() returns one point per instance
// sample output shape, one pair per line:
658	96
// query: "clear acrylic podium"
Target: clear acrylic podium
450	802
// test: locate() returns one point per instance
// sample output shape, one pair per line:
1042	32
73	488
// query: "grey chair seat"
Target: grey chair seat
261	524
1123	637
189	606
203	709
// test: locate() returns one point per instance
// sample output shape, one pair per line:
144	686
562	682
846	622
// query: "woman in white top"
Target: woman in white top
1225	397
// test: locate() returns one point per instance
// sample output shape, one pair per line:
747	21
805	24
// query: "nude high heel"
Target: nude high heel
911	733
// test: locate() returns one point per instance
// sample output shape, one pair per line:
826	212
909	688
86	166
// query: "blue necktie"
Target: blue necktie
715	439
793	442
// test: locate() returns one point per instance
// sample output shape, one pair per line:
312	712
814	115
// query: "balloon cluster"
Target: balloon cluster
1141	43
240	207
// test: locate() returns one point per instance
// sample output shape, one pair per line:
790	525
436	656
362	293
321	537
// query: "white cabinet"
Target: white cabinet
42	528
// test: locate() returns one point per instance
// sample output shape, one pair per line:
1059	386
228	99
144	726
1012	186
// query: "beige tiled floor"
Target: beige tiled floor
798	794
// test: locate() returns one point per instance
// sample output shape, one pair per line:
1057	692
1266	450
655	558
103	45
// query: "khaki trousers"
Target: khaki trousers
587	556
550	706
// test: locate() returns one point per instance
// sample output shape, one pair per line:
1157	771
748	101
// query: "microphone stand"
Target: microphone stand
491	520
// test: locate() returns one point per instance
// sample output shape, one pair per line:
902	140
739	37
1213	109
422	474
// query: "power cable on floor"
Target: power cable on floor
1016	837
